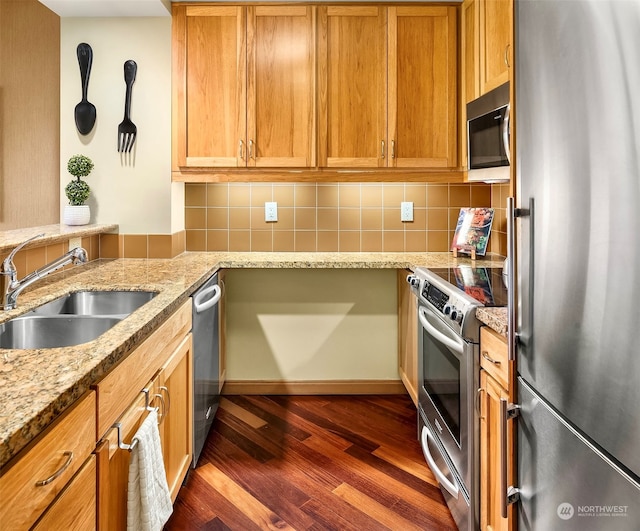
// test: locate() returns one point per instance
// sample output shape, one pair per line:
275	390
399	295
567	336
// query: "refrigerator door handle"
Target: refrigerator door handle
512	214
508	495
511	292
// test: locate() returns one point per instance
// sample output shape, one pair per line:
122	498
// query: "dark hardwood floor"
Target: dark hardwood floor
312	462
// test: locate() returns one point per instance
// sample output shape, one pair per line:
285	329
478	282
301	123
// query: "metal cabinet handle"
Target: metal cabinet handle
251	149
506	55
58	472
166	390
241	150
479	391
508	494
382	149
486	356
393	149
164	408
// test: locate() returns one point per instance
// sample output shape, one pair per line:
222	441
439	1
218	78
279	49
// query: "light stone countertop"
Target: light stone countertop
10	239
36	386
495	318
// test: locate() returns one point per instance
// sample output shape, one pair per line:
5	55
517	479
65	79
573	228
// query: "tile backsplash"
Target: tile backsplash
331	217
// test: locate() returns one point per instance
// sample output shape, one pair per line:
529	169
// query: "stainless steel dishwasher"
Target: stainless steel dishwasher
206	361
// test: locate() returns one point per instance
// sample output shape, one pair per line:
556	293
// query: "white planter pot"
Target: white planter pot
76	215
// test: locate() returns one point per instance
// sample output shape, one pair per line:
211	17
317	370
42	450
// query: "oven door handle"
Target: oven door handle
444	481
457	344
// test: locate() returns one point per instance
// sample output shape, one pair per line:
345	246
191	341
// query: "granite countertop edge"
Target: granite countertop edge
36	386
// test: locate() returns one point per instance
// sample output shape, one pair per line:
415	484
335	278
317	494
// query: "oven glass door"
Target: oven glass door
443	371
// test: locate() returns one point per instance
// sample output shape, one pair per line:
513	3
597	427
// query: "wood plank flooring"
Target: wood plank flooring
312	462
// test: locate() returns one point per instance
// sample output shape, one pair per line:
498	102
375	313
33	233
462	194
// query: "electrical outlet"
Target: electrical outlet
406	211
271	211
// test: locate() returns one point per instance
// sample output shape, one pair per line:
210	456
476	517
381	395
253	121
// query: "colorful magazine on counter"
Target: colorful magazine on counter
472	230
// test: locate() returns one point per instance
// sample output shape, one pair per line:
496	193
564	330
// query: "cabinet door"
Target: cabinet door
210	92
469	68
423	99
352	71
496	23
470	56
176	427
281	86
490	462
113	467
408	336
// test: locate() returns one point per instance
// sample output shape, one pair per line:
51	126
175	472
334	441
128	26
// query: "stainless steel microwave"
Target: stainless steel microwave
488	136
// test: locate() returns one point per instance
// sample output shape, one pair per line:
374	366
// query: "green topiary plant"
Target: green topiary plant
78	191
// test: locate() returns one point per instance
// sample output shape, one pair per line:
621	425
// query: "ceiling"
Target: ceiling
109	8
143	8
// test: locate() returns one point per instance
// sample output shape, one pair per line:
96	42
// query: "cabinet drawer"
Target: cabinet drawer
75	508
54	456
494	356
122	385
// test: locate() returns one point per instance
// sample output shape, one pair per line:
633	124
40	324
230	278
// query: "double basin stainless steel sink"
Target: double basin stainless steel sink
72	319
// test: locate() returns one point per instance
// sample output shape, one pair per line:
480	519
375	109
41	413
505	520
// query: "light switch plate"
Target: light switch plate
271	211
406	211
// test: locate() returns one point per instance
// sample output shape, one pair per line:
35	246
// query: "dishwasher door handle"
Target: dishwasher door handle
199	297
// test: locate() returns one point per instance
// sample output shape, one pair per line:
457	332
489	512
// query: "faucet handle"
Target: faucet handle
9	259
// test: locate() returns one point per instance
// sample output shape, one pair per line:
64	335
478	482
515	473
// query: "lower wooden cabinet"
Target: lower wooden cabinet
407	336
75	508
170	390
176	429
495	385
37	476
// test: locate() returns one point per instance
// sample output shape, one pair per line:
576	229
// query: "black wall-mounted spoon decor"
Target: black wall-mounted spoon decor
85	112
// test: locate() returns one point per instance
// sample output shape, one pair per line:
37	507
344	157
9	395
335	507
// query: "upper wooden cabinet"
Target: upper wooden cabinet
422	87
303	86
244	86
495	19
388	87
352	69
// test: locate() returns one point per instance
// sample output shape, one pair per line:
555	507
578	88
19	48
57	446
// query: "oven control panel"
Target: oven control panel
435	296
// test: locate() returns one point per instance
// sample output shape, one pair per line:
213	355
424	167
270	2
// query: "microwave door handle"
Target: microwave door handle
456	345
505	132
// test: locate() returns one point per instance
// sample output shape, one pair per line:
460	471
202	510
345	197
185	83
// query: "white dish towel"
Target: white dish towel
148	500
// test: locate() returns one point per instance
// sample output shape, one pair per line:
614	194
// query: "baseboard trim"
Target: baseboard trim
314	387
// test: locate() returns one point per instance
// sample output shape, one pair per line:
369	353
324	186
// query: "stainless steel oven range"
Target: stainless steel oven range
448	373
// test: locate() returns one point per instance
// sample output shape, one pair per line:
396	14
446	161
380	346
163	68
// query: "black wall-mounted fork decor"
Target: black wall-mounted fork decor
127	130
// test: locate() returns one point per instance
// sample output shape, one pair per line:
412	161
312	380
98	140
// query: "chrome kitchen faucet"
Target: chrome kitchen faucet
12	287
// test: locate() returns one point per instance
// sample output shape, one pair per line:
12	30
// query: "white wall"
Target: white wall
136	192
311	324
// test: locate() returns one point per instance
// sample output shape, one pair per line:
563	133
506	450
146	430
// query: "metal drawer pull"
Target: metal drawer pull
58	472
486	356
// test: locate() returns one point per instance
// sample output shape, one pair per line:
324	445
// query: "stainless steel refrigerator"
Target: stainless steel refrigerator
576	223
